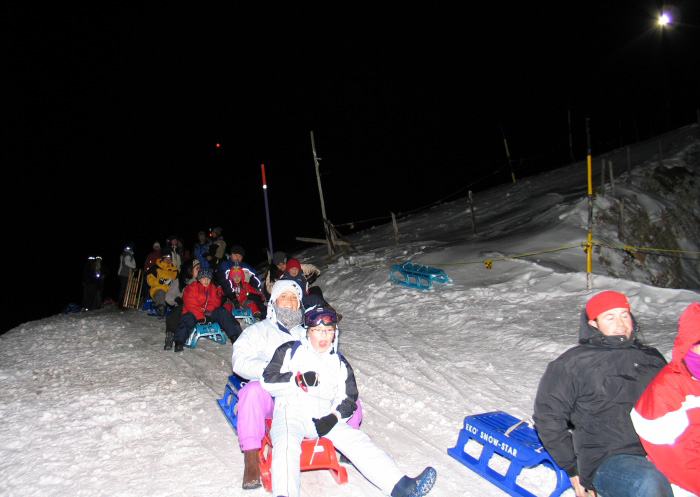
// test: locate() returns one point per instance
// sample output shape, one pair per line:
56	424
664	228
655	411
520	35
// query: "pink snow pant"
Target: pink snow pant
255	405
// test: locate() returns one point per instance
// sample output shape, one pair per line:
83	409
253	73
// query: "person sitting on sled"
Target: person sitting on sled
241	292
315	394
201	305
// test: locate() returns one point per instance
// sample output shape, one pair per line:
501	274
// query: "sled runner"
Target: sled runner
210	331
230	399
502	434
244	315
316	453
417	276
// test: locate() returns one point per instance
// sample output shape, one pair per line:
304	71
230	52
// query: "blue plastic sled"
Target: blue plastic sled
244	314
503	434
417	276
230	399
210	331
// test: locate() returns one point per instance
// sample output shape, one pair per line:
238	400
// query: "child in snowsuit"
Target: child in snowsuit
202	304
667	415
315	394
294	272
241	292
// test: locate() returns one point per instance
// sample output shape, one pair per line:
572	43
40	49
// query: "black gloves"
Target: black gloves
308	379
178	301
325	424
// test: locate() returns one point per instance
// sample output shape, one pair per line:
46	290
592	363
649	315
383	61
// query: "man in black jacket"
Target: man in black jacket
583	404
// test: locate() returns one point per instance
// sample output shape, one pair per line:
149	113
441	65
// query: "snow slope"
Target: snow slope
92	405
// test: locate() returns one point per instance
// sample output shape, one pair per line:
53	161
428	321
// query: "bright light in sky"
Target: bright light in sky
664	19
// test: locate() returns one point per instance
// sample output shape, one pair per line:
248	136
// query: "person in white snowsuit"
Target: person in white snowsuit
315	394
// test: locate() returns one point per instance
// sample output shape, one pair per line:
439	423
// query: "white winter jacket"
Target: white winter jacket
336	390
254	348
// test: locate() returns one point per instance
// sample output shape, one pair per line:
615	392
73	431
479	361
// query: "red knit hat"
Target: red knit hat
605	301
293	263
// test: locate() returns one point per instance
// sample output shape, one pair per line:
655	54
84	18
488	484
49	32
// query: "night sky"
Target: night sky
111	117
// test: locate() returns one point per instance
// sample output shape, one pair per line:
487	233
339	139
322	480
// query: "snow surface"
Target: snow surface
91	404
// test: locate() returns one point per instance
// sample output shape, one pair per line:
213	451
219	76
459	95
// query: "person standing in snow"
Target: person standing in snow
189	273
667	415
152	257
592	387
315	395
127	264
201	303
251	354
217	249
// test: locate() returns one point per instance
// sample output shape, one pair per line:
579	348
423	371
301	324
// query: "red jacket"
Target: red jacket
242	290
667	415
197	299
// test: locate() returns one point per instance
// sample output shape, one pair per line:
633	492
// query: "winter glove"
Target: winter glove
325	424
308	379
161	281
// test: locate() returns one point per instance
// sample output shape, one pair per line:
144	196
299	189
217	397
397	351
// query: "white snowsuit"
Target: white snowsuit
294	409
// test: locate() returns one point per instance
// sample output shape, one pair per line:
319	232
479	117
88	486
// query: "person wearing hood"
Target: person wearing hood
583	402
315	395
201	303
251	354
667	415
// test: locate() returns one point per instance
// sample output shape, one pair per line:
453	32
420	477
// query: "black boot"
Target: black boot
168	340
179	346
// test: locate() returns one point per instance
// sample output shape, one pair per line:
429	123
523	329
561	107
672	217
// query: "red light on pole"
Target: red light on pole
218	145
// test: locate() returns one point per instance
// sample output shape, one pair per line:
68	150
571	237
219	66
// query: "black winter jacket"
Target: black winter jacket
583	403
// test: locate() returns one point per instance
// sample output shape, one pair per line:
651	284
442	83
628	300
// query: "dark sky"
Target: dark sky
110	117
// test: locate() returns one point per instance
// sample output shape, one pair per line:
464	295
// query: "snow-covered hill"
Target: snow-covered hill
92	405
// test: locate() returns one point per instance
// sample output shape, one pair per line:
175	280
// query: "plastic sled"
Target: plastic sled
417	276
150	306
244	314
316	453
229	401
502	434
210	331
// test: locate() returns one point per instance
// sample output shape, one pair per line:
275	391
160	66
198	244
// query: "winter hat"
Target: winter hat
166	253
156	245
293	263
196	262
205	272
688	333
237	249
279	258
605	301
236	270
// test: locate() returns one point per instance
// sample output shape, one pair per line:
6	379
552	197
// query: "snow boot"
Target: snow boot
160	310
251	474
179	346
415	487
168	340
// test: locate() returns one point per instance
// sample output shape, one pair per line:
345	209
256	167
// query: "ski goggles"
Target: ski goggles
320	316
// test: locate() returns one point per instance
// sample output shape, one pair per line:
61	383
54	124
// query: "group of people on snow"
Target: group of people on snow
610	411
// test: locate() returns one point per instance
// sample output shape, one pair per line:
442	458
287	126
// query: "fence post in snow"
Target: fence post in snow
589	242
629	167
612	178
396	228
621	221
602	177
471	207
